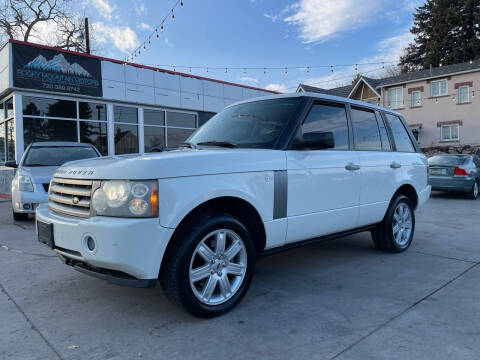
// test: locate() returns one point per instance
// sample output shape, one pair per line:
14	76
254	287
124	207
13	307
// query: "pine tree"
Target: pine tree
446	32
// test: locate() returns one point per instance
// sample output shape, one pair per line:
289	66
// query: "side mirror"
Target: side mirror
317	141
11	164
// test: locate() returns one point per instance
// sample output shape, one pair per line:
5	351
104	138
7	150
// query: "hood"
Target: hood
175	164
39	174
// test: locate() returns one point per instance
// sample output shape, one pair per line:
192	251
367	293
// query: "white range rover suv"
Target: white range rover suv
259	177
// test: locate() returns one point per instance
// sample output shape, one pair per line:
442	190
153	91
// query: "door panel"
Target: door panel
323	195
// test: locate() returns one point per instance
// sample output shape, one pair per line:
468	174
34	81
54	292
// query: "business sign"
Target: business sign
51	70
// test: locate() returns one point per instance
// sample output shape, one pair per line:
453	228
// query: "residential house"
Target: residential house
439	104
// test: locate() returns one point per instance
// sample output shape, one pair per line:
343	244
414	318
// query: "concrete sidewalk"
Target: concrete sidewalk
336	300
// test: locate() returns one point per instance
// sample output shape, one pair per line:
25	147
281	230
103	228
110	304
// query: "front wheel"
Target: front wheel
395	233
19	216
210	265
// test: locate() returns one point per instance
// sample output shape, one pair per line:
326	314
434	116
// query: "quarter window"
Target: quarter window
416	98
365	130
449	132
463	96
400	134
327	119
395	98
438	88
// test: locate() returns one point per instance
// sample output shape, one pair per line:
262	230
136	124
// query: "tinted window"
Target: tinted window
154	138
35	129
49	107
365	130
400	135
92	111
94	133
9	108
255	124
181	119
327	119
125	114
126	139
2	142
447	160
386	145
56	155
153	117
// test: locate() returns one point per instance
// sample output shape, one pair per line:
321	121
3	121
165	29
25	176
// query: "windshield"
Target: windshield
250	125
57	155
447	160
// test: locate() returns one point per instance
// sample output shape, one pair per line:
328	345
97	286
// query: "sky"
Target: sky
258	33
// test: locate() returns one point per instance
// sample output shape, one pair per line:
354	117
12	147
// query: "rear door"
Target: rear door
378	178
323	185
413	168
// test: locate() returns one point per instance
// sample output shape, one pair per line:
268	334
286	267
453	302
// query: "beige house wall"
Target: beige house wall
434	111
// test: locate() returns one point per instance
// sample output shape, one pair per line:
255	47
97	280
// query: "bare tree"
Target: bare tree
29	20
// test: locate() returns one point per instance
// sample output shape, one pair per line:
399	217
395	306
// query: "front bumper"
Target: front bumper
451	184
27	201
125	249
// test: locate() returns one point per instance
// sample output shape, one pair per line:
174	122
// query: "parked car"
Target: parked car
455	173
260	177
35	170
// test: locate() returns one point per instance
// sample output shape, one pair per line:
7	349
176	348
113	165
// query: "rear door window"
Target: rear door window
400	134
365	130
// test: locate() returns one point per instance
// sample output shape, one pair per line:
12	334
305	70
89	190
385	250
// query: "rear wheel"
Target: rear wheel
395	233
473	193
210	266
19	216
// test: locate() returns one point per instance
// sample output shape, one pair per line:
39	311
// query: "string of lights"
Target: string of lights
284	69
155	32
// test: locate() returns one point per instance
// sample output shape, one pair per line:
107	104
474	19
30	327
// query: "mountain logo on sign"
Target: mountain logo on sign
58	64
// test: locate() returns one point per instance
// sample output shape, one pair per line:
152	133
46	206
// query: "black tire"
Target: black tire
473	193
383	236
19	216
174	275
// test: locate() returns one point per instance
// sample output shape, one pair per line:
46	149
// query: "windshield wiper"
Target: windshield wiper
36	165
189	145
225	144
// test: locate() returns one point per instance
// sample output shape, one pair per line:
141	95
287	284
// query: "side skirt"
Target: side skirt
303	243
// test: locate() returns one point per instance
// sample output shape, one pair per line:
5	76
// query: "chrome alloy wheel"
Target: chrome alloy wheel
218	267
402	224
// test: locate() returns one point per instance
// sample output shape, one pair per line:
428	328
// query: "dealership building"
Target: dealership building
48	94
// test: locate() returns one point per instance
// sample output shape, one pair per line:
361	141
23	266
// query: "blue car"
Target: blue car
455	173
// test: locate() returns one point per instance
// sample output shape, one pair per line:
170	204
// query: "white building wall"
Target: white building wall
4	68
147	86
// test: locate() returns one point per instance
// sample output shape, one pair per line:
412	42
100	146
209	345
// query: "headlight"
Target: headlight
121	198
25	183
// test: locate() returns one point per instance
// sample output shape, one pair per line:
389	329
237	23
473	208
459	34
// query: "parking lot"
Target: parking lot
340	299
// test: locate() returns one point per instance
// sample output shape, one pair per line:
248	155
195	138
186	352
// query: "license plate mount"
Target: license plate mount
45	234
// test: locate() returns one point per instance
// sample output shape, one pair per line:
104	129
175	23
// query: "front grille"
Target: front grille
70	196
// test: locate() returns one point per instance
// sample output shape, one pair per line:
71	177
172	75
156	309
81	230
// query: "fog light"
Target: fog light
26	206
90	243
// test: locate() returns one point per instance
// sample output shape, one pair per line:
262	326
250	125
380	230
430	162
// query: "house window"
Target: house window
395	98
416	98
449	132
438	88
463	96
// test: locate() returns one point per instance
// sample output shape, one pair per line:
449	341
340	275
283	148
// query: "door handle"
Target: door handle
352	167
395	165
